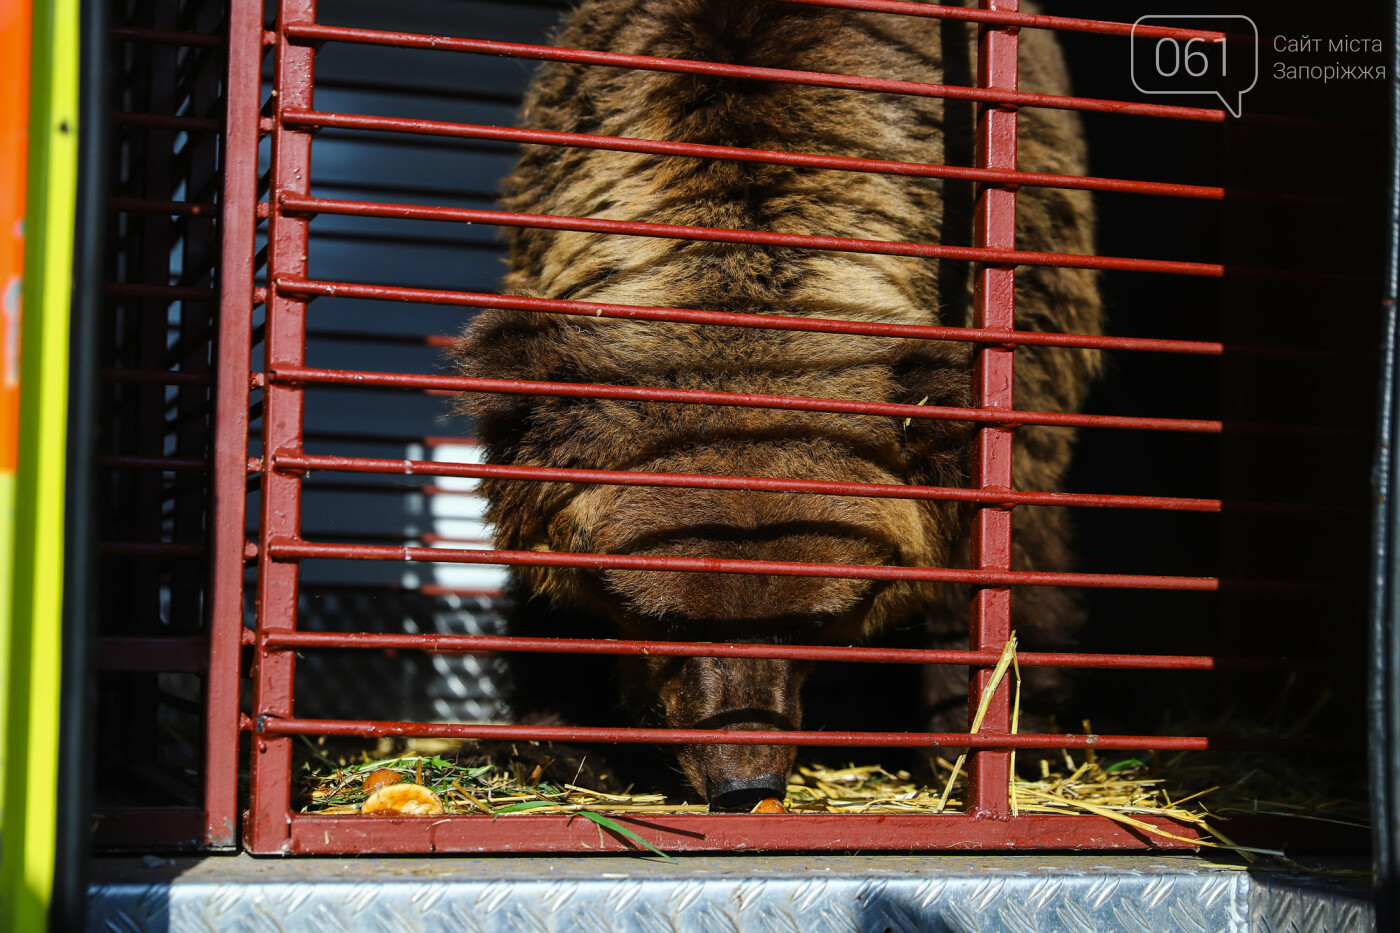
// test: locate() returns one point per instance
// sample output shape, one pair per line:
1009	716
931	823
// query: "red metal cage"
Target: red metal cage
265	376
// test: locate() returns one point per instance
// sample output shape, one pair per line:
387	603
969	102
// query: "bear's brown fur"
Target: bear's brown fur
685	438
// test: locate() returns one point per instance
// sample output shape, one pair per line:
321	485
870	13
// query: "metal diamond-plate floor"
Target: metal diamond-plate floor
718	894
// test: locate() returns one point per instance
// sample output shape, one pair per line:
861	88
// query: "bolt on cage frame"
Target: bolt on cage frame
289	117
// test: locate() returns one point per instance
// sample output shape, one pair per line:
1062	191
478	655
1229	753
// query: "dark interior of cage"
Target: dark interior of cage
1293	386
156	403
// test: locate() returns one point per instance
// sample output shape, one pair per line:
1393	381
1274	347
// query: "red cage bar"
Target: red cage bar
999	95
994	308
810	160
282	428
230	454
1002	253
278	472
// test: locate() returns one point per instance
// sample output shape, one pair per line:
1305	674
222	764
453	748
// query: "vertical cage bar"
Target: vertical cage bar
199	164
233	355
993	308
155	176
283	409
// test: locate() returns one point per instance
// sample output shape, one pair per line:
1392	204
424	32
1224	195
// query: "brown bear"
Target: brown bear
742	441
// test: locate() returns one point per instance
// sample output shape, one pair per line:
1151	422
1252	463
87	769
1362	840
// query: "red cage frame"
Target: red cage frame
291	121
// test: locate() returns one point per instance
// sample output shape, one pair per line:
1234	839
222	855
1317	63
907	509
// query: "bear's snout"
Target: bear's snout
730	695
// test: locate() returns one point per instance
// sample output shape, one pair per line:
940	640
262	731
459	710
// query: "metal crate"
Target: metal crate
316	586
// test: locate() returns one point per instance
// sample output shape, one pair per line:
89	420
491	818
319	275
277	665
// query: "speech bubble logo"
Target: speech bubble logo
1224	65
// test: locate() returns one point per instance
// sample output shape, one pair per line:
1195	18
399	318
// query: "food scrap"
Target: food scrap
403	800
382	778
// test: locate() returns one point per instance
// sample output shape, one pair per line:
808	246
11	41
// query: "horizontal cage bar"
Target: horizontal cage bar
300	462
1030	20
268	725
303	204
307	288
1008	177
318	33
316	119
291	549
473	644
301	376
298	204
995	497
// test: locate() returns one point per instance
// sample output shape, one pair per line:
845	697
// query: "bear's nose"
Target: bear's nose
743	794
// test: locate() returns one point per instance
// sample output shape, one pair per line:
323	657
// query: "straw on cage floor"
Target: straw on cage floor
1120	792
812	788
1124	791
500	791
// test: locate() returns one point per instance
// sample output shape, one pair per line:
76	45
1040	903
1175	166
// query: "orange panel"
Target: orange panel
14	139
